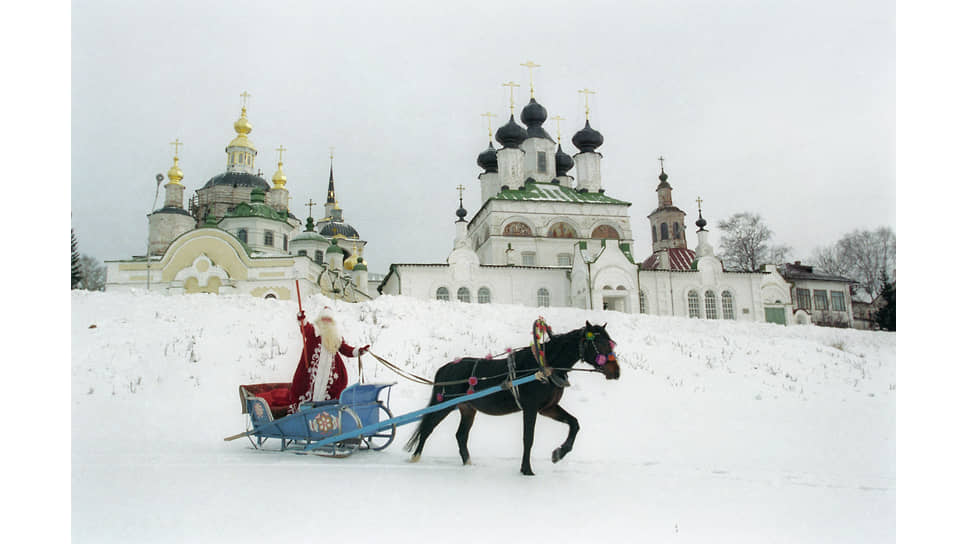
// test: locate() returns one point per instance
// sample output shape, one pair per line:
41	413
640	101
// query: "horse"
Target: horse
590	344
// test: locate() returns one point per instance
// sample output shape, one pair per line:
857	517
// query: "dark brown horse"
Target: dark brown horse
590	344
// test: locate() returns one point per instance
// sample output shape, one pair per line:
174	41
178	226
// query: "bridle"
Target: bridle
589	337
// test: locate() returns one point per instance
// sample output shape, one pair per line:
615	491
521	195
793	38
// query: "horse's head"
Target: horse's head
598	350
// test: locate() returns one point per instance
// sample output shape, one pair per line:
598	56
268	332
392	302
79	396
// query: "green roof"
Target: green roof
255	209
552	192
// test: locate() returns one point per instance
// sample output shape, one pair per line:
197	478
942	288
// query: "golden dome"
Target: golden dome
279	179
174	173
242	126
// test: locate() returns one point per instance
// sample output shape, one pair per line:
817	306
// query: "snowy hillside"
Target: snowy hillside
716	431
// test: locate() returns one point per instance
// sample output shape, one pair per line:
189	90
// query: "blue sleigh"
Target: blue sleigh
334	428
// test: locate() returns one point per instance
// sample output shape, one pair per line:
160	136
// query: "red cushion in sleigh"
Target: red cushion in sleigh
276	394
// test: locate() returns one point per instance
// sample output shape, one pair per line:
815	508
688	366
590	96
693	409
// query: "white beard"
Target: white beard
329	345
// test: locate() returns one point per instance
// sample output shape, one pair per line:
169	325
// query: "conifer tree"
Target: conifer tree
76	275
886	316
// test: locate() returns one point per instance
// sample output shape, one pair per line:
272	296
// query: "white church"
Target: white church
543	237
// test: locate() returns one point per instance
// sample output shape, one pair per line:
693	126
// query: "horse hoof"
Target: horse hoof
415	458
556	455
527	472
467	462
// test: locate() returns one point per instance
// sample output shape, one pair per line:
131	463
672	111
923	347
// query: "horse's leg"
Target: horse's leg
530	415
427	425
558	413
467	413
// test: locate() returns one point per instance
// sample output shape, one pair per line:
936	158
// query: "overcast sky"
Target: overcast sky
782	108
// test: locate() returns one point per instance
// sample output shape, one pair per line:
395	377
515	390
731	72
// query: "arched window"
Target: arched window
643	303
710	305
318	257
517	228
268	238
654	237
728	305
693	304
285	242
664	230
605	231
243	236
484	295
562	230
443	293
675	231
464	294
270	295
544	297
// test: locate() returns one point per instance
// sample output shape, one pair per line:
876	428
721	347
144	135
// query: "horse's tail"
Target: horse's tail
421	428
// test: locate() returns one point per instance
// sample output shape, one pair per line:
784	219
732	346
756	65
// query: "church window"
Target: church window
564	259
267	238
443	293
605	231
517	228
464	294
542	162
285	242
803	298
820	299
302	252
837	301
544	297
664	229
654	237
484	295
728	312
318	257
643	303
675	231
243	236
270	295
710	305
693	304
528	258
562	230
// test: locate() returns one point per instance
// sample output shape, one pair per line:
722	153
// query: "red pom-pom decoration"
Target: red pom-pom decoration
440	397
472	381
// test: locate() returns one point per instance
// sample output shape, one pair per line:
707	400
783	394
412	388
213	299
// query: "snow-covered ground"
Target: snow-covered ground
716	432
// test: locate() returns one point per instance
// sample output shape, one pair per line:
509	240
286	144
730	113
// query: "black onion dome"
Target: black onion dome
587	139
663	180
336	228
488	158
461	213
237	179
701	222
533	115
563	162
511	134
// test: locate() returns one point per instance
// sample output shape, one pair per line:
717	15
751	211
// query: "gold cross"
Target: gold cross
245	98
558	119
176	143
699	202
311	204
531	66
586	91
488	115
280	149
460	191
511	85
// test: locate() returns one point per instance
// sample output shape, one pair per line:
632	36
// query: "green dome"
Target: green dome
333	248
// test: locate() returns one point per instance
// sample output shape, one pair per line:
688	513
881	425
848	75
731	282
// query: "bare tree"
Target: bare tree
865	256
93	274
743	243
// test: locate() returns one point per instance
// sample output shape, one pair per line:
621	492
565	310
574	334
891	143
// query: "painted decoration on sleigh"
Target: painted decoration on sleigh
322	423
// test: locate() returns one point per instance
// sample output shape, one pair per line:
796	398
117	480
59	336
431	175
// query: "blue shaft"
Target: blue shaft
414	416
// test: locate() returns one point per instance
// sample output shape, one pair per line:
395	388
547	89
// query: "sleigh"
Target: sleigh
357	420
